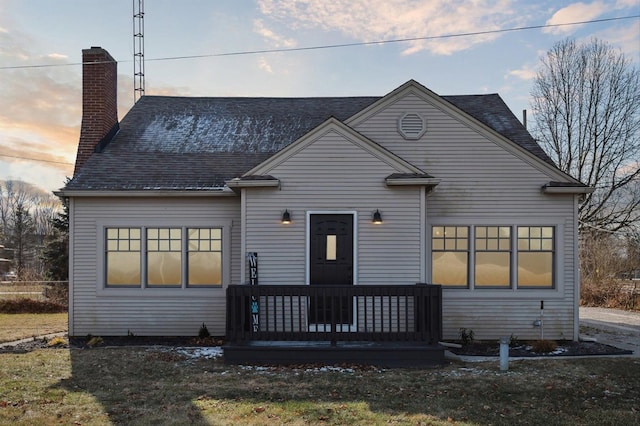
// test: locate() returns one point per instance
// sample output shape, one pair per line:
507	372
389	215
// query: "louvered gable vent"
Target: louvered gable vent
412	126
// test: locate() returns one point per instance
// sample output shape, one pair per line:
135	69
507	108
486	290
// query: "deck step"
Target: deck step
380	354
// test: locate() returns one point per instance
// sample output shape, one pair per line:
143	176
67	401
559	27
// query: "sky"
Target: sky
41	44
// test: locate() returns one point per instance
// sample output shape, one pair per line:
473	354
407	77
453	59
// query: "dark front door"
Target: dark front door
331	264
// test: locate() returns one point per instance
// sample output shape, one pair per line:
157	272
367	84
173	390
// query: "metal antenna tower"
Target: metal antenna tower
138	49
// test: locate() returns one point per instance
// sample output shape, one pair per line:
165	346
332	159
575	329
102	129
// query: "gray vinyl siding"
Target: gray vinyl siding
484	184
333	174
167	312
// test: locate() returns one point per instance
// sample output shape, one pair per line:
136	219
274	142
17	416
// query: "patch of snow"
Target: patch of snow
200	352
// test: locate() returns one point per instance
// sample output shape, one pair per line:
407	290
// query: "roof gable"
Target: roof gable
334	125
487	114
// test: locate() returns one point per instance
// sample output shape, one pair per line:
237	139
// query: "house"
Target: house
188	197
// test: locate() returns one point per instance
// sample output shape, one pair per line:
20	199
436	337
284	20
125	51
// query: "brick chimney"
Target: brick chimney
99	103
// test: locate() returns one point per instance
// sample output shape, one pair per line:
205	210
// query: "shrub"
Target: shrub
544	346
466	336
203	332
608	293
94	341
30	306
57	341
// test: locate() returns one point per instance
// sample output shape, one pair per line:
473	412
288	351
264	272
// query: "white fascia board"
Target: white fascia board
412	181
567	189
222	192
239	183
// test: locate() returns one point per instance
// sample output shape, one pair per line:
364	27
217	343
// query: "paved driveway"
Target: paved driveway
611	326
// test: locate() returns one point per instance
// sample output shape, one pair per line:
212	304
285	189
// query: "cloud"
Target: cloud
278	40
576	12
57	56
264	65
525	73
372	20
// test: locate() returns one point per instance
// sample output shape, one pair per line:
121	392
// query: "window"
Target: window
123	257
506	257
450	255
535	256
205	257
157	257
493	256
164	260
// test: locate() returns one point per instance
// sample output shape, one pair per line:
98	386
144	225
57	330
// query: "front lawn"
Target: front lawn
163	386
21	326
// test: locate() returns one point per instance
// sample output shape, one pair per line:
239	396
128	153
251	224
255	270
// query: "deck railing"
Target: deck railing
334	313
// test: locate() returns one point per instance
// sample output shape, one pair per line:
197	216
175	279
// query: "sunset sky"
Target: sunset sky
40	106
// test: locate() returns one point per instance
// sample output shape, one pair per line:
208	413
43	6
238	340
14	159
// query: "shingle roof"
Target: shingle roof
199	143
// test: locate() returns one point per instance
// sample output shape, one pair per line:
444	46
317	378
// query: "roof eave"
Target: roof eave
431	182
213	192
569	189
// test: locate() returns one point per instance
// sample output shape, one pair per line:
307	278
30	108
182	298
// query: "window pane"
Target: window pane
123	269
163	268
204	261
462	244
492	269
438	232
462	231
331	247
122	257
450	268
547	232
492	244
205	268
535	245
523	244
535	269
437	244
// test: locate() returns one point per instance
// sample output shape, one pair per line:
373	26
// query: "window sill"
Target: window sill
218	291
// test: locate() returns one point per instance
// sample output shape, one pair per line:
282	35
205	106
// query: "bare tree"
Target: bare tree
586	102
26	219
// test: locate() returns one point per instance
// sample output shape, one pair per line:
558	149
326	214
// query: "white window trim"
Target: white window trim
533	293
146	292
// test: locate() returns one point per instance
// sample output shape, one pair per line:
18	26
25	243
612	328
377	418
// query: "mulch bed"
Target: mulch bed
478	348
564	348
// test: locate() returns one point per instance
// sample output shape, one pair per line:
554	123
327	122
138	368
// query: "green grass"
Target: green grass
152	386
21	326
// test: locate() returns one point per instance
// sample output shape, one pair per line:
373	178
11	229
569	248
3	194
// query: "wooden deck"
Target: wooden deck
387	326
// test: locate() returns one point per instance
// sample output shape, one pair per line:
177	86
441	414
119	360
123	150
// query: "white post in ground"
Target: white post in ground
504	353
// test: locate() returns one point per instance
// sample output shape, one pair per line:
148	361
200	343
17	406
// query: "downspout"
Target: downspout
243	236
423	234
71	269
576	272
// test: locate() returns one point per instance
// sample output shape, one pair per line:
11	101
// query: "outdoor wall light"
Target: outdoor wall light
377	218
286	217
